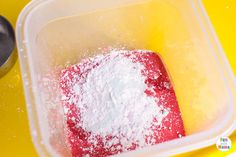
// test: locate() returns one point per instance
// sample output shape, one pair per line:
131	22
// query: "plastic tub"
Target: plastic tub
52	34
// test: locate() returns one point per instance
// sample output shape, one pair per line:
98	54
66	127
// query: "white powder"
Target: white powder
112	101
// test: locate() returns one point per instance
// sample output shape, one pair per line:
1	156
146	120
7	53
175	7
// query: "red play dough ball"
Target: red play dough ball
172	125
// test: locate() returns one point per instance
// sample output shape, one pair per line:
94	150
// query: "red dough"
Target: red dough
172	125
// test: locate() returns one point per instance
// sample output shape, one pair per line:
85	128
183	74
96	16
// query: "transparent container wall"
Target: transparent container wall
64	32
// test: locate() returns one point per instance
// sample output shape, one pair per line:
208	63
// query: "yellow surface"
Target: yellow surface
15	139
14	132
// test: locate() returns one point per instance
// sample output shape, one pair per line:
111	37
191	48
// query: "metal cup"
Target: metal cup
8	53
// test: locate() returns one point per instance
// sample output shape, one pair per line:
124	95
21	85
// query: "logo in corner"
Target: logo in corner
224	144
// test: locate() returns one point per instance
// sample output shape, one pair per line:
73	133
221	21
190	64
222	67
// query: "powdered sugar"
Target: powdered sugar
111	98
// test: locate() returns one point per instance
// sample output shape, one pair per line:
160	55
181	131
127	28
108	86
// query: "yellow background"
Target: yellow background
15	139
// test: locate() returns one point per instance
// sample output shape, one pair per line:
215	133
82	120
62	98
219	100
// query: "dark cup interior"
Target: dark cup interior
7	40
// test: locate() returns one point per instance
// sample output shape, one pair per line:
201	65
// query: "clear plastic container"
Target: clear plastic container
52	34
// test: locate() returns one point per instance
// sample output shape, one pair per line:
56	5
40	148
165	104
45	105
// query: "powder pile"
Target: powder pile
113	106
